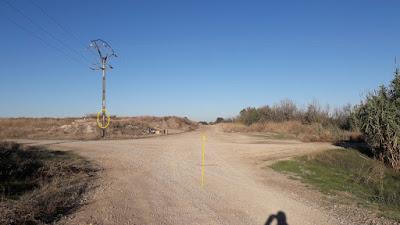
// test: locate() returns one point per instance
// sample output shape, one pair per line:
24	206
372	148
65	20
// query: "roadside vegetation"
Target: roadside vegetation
375	120
314	132
311	123
334	172
39	186
379	116
372	174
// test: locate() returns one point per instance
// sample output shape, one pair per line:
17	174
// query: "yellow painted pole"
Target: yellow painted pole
202	172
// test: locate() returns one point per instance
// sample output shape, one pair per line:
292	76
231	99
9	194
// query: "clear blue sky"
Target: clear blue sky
199	59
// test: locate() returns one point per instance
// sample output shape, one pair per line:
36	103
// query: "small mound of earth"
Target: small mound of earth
86	128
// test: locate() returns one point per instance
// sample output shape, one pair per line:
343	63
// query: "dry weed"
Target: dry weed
294	129
87	129
60	179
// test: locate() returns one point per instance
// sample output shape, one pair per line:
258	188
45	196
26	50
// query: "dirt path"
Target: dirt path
158	180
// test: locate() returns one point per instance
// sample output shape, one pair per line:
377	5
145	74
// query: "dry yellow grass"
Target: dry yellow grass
295	129
86	128
39	186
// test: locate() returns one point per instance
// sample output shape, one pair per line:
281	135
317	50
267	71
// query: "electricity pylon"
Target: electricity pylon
105	52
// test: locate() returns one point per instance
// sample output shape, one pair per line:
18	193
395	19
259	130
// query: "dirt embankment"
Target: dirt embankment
86	128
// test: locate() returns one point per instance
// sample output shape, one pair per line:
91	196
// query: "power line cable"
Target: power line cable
41	39
62	28
41	28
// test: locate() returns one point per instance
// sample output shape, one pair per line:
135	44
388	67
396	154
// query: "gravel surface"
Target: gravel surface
158	181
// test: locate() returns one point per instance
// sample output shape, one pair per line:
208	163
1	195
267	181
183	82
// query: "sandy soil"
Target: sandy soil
158	181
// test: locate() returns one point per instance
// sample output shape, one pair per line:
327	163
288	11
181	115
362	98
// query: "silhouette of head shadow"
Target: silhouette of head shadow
280	217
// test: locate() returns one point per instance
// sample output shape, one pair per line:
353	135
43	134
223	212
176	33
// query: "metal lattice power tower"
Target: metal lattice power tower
105	52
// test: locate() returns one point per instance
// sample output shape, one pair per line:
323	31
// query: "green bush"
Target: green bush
379	116
249	116
219	120
341	118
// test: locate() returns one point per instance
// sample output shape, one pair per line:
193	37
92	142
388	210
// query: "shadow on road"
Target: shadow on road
362	147
280	217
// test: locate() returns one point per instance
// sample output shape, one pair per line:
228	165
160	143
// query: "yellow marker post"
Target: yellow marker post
202	172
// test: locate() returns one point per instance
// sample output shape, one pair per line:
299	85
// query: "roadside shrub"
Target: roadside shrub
315	114
249	116
379	116
345	118
288	109
342	117
91	115
219	120
39	186
313	122
229	120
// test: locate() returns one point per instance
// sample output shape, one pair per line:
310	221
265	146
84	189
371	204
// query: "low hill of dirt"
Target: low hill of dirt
86	128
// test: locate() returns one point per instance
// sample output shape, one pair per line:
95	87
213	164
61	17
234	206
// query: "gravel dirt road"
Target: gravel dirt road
158	181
